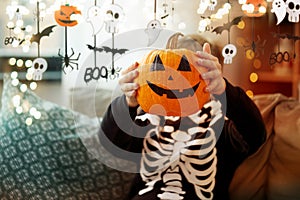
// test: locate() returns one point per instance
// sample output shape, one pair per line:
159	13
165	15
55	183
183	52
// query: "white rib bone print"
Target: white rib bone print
168	149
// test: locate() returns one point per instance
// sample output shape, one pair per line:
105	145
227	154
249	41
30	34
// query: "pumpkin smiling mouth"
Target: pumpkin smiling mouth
173	94
66	21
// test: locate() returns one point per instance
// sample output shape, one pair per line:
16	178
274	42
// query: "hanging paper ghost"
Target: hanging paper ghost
153	30
39	66
228	52
95	18
279	8
293	9
65	16
114	15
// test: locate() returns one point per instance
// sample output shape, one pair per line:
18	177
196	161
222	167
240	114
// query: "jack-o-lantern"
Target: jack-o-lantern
170	84
63	16
255	8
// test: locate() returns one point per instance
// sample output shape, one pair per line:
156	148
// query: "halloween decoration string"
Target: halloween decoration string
153	28
282	8
283	56
17	31
254	48
279	57
66	17
39	65
114	15
229	50
96	19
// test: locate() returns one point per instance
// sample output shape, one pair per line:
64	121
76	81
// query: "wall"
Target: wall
138	14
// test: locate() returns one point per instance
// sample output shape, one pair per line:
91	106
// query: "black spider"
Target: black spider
68	60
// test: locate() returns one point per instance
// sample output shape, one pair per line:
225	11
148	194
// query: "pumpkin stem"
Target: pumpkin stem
172	41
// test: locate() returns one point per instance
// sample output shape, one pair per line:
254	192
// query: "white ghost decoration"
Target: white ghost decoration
39	66
279	8
293	9
228	52
153	30
95	18
114	15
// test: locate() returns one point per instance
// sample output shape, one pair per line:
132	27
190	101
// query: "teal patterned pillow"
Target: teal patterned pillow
43	154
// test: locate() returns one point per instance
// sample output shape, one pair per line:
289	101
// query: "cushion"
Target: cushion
273	171
48	152
98	98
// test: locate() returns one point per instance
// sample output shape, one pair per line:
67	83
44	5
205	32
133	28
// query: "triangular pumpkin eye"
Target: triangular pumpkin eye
157	64
184	64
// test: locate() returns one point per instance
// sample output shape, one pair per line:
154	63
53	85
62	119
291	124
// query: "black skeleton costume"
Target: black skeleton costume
191	157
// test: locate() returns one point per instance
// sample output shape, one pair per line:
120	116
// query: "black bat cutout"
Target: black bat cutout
227	26
288	36
46	32
114	51
94	48
107	49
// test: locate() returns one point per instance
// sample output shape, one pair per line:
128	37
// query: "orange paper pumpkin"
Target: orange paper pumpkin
170	84
63	16
255	8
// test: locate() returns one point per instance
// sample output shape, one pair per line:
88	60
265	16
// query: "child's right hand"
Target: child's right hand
128	86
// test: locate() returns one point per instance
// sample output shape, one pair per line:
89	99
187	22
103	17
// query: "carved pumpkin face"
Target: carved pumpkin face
63	16
255	8
170	85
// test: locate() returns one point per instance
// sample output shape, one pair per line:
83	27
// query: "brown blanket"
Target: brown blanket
273	172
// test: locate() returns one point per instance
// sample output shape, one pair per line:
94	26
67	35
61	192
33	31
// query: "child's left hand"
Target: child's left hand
213	76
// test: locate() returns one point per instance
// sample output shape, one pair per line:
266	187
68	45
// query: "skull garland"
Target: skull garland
293	9
171	148
39	66
114	15
228	52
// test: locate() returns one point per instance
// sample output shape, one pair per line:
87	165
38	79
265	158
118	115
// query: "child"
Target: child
191	157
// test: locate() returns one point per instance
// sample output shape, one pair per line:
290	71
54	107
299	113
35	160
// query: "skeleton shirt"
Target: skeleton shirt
172	146
193	157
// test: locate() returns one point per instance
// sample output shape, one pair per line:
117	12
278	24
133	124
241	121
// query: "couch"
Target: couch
51	152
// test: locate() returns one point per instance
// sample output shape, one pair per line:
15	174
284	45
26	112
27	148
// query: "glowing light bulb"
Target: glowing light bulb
253	77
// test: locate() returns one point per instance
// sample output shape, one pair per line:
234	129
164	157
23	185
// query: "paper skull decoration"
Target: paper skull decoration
64	16
228	52
114	15
293	10
170	84
39	66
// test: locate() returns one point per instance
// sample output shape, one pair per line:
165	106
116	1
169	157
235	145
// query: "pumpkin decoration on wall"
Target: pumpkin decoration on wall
170	84
64	16
254	8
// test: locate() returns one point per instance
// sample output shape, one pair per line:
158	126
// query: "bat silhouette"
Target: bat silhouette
46	32
288	36
114	51
94	48
228	25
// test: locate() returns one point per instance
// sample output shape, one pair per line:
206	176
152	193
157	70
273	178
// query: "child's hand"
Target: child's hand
127	84
213	76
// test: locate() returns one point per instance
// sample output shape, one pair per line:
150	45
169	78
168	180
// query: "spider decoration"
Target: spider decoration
68	61
254	48
114	72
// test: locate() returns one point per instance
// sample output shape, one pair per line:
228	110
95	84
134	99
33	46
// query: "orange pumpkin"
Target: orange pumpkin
258	8
63	16
170	84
